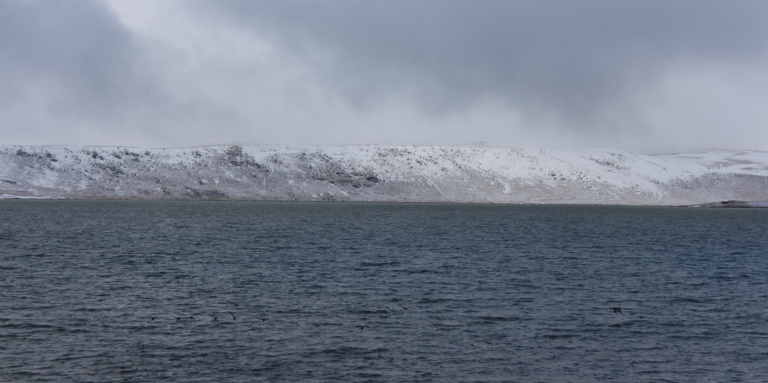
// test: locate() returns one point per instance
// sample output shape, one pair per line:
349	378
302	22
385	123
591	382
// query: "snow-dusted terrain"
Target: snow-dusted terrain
383	173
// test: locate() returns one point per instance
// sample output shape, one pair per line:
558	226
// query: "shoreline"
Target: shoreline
730	204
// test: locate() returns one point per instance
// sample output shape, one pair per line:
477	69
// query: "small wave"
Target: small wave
500	319
687	300
564	336
671	324
26	326
324	324
431	300
379	264
352	351
422	271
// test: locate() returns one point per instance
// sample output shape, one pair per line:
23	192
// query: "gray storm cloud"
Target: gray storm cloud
569	56
62	62
650	75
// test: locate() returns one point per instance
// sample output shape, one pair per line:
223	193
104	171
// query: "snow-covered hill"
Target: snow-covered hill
384	173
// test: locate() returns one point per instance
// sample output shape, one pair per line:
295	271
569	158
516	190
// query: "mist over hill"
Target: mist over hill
383	173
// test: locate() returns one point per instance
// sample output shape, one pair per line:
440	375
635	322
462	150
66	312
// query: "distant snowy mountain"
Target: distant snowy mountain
478	173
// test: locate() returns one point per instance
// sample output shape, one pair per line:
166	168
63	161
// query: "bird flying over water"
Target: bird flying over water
233	316
362	327
617	310
376	312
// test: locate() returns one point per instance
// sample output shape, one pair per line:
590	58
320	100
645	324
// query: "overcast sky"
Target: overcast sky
650	76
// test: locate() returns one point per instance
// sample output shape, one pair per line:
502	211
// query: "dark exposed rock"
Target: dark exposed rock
236	157
210	194
734	204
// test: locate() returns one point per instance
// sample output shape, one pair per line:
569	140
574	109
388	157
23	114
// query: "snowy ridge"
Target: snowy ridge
383	173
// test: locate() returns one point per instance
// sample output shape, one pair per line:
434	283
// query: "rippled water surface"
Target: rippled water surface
480	293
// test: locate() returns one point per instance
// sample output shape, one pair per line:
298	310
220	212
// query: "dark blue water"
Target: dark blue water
476	293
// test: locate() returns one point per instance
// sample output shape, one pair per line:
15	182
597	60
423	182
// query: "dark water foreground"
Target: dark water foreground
493	293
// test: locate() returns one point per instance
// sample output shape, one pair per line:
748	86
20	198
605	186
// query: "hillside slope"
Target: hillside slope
383	173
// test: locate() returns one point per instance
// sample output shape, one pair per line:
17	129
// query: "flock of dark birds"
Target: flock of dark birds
215	318
616	310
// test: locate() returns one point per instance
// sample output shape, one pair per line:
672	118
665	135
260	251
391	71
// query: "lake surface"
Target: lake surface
470	293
